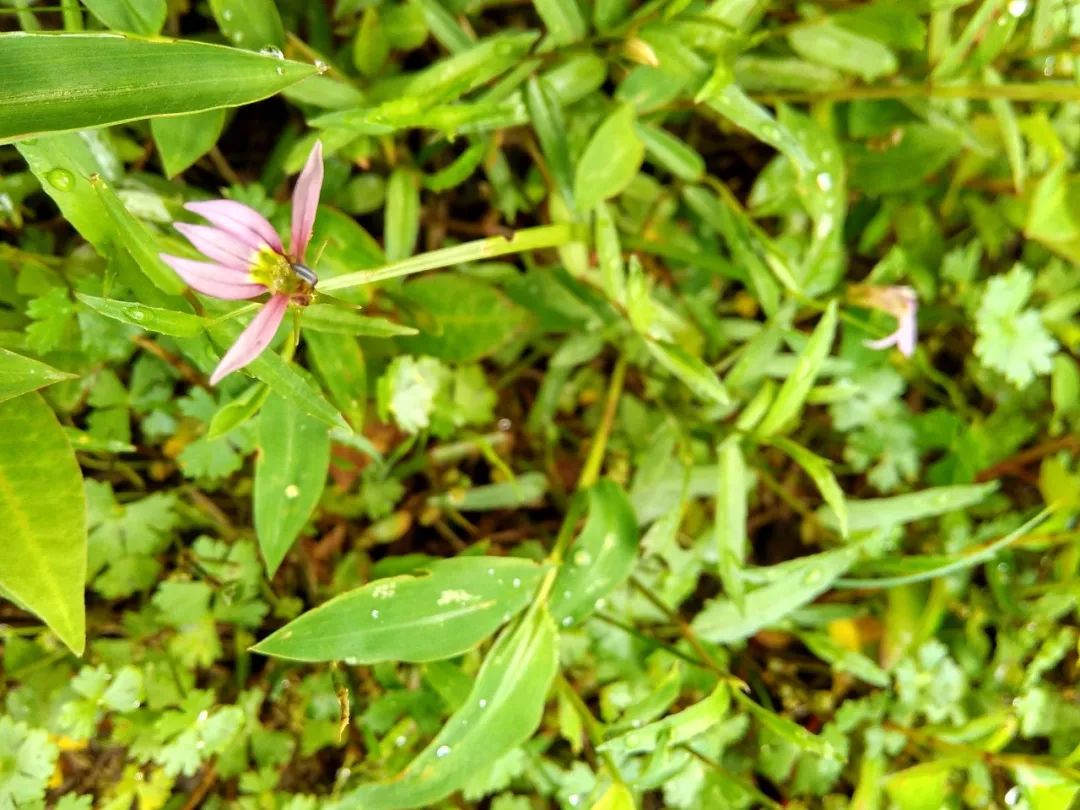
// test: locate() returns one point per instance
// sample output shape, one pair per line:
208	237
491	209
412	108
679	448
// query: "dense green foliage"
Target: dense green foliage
578	484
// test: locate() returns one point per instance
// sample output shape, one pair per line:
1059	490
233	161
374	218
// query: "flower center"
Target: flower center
282	276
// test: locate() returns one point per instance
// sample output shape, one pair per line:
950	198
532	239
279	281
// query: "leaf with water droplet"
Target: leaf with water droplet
514	680
290	474
152	319
607	551
449	607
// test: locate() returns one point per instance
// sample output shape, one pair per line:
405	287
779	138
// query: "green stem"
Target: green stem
545	236
1041	91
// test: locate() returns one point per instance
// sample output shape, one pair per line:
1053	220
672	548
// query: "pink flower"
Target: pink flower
248	259
902	304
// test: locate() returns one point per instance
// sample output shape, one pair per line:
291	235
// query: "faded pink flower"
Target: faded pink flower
248	259
902	304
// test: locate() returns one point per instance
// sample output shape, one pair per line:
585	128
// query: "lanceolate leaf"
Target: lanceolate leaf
502	710
600	559
62	82
290	473
19	375
43	565
449	607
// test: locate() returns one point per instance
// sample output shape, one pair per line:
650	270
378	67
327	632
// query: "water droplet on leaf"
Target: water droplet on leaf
60	179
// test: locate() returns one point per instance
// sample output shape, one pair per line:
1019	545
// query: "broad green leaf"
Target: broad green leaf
818	470
402	214
253	24
600	559
339	321
43	566
732	103
675	728
549	123
63	82
183	139
843	659
341	366
798	583
691	370
152	319
370	47
290	474
616	797
926	786
609	255
920	150
446	608
20	375
460	318
503	710
792	396
731	513
611	159
563	20
136	16
829	44
882	513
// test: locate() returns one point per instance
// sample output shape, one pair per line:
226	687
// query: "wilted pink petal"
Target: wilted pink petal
218	245
903	304
254	339
306	201
242	221
213	279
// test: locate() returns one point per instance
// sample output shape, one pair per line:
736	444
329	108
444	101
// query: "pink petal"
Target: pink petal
306	201
218	245
883	343
213	279
906	336
254	339
242	221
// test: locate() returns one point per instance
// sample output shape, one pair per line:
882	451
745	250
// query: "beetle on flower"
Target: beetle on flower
247	259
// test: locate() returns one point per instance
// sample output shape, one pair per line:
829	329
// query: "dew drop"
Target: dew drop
202	716
824	181
343	774
292	491
504	425
321	66
491	572
270	50
582	557
400	740
1018	8
442	751
279	70
516	583
200	745
60	179
1012	797
226	14
137	314
573	800
567	621
812	576
352	661
483	703
824	225
374	614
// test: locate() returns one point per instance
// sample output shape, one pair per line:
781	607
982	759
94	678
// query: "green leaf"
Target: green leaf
793	584
611	159
616	797
1011	338
732	103
63	82
600	559
546	114
792	395
448	607
563	20
818	470
136	16
339	321
829	44
731	513
787	730
460	318
883	513
43	566
253	24
918	151
402	214
238	411
503	710
183	139
152	319
370	47
341	366
691	370
290	473
523	490
20	375
675	728
671	153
